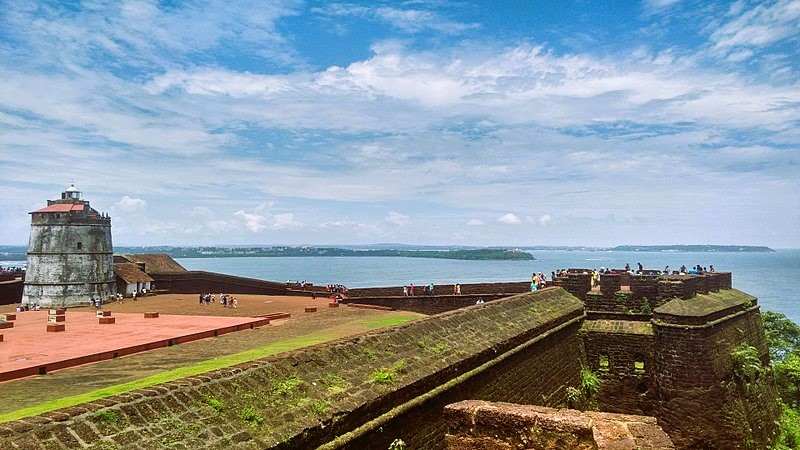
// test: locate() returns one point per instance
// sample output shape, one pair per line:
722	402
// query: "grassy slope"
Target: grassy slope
201	367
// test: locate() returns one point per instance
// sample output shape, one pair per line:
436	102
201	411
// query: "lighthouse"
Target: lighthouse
70	255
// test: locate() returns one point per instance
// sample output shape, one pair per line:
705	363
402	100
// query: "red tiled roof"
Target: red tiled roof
61	207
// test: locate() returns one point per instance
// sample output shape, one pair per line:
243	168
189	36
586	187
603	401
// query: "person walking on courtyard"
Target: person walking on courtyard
405	291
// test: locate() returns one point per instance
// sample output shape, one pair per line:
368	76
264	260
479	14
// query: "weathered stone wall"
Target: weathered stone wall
366	390
69	261
621	353
478	425
429	304
516	287
10	292
701	403
197	281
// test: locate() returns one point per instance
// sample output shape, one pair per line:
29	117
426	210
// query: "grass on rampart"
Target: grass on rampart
209	365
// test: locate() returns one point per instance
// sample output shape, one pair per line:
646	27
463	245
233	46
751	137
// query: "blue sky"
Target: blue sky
428	122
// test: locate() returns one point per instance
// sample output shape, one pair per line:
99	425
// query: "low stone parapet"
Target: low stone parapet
482	425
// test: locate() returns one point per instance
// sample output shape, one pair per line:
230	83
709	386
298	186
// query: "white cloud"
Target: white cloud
545	219
408	20
759	25
284	221
130	204
396	218
509	219
253	222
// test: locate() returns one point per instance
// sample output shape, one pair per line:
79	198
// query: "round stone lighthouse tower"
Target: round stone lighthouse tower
70	256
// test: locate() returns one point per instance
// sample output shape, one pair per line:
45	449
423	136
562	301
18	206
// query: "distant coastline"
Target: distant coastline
277	252
18	253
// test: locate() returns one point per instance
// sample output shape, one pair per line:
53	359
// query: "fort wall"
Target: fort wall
479	425
360	392
198	281
11	291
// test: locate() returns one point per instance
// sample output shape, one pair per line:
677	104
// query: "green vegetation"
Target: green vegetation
433	347
251	416
783	335
388	375
389	320
107	416
789	426
590	383
783	338
171	375
286	386
320	407
584	396
746	363
215	404
226	252
335	384
646	308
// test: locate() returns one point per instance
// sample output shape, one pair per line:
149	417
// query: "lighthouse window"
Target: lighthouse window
80	245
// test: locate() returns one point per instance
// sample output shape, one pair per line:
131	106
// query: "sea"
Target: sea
771	277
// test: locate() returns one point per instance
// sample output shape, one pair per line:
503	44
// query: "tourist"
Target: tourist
666	269
202	299
235	302
430	289
641	267
457	289
405	291
683	269
711	268
627	267
411	290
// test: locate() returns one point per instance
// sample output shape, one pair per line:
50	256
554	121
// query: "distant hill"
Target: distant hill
283	251
692	248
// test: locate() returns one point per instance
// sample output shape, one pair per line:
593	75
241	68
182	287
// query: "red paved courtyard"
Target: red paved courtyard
28	349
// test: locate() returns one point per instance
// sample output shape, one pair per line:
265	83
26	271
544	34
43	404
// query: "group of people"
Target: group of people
539	281
227	301
25	307
336	289
411	290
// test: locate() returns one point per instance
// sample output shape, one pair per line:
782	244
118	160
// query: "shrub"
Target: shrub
382	376
108	416
783	335
320	407
746	363
398	444
787	378
590	383
286	386
574	397
215	404
789	430
646	309
386	376
251	416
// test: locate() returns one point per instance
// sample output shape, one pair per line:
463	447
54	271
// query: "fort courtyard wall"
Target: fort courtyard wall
360	392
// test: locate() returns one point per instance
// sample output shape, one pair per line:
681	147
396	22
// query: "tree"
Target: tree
783	335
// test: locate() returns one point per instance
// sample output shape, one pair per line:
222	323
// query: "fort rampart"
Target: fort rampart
360	393
198	281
